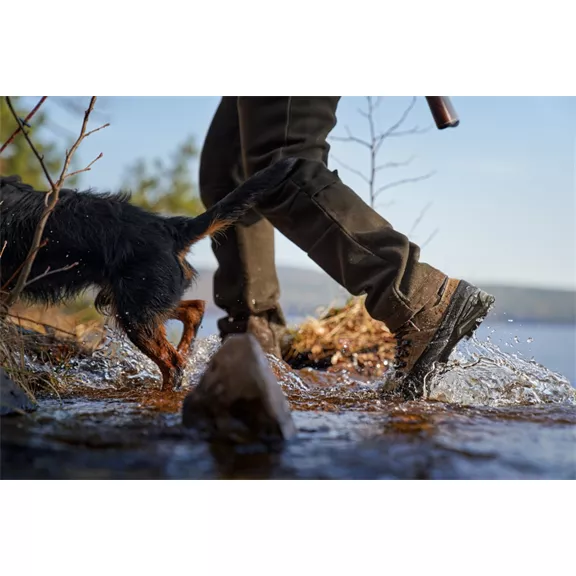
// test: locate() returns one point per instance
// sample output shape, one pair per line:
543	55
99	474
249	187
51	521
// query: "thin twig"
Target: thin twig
7	283
373	150
410	132
419	219
96	130
396	125
89	167
401	182
41	324
395	164
374	145
49	272
32	147
50	200
72	151
351	138
21	124
430	238
73	105
3	248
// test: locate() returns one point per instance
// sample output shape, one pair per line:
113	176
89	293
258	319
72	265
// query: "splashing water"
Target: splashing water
493	414
478	374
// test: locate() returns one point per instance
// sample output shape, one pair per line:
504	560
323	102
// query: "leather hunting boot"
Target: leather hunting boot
432	334
268	328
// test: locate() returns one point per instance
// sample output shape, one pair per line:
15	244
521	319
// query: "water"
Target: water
552	345
493	413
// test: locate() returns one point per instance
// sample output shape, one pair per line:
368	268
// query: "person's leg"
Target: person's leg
245	283
324	217
348	239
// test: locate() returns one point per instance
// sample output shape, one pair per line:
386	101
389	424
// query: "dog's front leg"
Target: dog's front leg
153	342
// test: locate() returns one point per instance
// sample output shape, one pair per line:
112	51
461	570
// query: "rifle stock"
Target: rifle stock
443	112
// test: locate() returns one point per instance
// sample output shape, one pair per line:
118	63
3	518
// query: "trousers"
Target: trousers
315	210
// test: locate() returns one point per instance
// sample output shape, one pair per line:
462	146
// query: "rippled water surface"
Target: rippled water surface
488	414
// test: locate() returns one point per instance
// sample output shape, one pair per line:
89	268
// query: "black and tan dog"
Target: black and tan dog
136	258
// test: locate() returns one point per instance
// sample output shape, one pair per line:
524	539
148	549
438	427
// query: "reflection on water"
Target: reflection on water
489	414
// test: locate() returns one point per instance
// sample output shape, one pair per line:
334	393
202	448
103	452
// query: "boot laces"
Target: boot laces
403	344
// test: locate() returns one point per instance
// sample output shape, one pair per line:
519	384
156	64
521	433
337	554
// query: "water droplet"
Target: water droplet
530	340
510	320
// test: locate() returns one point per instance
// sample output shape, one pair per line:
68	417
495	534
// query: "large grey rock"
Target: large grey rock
238	399
13	400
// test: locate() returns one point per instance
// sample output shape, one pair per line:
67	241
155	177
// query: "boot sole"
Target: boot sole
468	308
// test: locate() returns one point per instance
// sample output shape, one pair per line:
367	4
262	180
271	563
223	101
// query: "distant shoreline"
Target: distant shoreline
303	292
215	313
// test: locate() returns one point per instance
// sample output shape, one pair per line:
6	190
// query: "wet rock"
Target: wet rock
13	399
238	399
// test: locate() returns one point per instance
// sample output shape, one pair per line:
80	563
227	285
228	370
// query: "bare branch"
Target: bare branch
18	317
30	254
89	167
353	170
396	125
51	199
395	164
430	238
72	150
49	272
410	132
351	138
96	130
73	105
401	182
32	147
374	144
420	216
3	248
21	124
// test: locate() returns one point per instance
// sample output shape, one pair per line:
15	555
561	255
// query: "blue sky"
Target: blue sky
503	196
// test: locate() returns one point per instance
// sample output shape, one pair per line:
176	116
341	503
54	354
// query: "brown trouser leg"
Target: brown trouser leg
245	282
323	216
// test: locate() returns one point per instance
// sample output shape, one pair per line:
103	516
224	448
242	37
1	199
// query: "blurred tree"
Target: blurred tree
166	188
18	158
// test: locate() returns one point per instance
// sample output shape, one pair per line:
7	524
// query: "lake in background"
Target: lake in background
552	345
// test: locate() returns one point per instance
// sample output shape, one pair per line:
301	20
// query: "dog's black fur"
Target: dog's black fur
135	257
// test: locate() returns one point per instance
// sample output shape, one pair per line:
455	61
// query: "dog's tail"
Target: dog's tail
188	231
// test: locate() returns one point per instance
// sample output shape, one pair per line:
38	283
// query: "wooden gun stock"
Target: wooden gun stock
443	112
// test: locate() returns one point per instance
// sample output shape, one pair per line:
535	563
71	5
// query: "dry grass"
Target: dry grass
77	321
344	338
50	336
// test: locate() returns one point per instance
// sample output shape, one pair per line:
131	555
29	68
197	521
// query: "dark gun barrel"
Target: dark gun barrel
443	112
